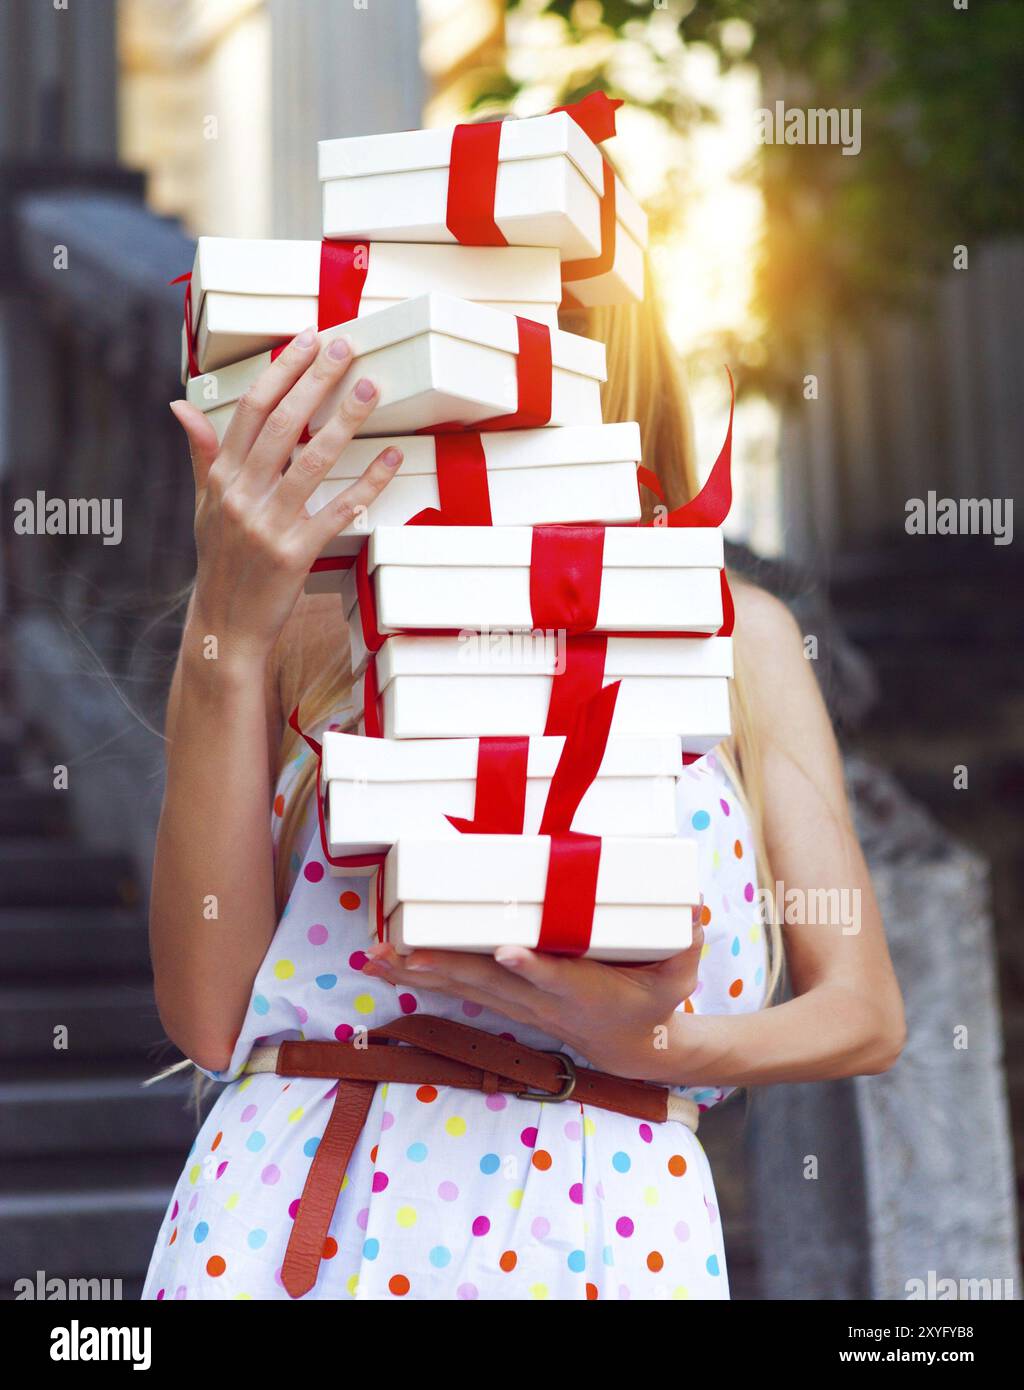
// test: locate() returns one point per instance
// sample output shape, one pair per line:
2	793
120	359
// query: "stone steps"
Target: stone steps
89	1156
70	942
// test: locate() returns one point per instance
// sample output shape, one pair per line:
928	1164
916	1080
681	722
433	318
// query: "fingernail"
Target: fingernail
306	338
340	349
417	967
365	390
509	957
391	458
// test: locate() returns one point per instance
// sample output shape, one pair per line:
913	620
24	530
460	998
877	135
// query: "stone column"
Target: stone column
338	68
89	62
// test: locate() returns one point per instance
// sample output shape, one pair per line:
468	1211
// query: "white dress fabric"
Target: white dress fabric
452	1194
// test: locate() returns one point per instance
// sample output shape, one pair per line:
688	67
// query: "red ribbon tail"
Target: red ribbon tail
646	478
594	114
581	678
711	505
500	809
581	759
190	337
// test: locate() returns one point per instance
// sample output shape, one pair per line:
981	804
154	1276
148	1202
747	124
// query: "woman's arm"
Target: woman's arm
212	906
847	1017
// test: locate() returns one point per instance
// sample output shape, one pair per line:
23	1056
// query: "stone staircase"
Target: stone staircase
88	1157
944	639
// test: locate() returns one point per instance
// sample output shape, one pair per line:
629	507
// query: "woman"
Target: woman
456	1193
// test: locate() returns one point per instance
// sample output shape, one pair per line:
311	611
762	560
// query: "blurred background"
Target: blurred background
870	305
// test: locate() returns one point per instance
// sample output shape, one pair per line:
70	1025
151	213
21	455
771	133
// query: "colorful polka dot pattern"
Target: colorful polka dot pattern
453	1194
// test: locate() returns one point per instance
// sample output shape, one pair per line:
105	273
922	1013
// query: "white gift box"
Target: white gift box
435	359
478	892
248	296
379	790
500	684
441	578
534	477
548	193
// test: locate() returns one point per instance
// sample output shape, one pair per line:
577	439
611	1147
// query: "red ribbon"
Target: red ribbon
711	505
473	170
581	679
565	583
565	576
533	385
463	490
348	861
570	894
190	337
343	270
533	380
581	759
500	807
373	638
570	891
594	114
373	725
472	181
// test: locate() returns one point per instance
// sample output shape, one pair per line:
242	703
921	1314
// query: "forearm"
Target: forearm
212	910
829	1032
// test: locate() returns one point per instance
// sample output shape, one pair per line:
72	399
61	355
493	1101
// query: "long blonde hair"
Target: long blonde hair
644	384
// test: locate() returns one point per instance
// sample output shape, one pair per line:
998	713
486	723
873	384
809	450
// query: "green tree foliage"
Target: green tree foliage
941	95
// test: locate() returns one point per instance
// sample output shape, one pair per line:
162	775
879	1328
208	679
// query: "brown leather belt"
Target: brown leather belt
439	1052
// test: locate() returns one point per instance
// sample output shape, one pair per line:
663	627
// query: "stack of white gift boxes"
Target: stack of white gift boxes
494	795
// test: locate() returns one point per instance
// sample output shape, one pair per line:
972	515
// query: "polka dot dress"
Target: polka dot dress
452	1194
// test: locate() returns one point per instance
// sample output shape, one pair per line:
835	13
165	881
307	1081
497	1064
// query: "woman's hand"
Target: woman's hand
617	1016
254	537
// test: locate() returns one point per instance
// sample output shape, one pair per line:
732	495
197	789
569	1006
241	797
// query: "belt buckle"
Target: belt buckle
568	1074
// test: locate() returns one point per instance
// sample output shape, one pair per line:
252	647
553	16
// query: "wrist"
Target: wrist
210	663
659	1056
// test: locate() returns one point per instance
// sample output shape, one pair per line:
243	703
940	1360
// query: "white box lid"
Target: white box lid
428	313
625	547
533	137
395	270
505	449
522	654
245	265
354	758
513	868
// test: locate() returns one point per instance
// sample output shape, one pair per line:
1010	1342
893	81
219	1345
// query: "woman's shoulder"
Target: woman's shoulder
776	665
763	622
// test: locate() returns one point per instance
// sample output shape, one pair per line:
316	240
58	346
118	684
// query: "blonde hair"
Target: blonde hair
644	384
